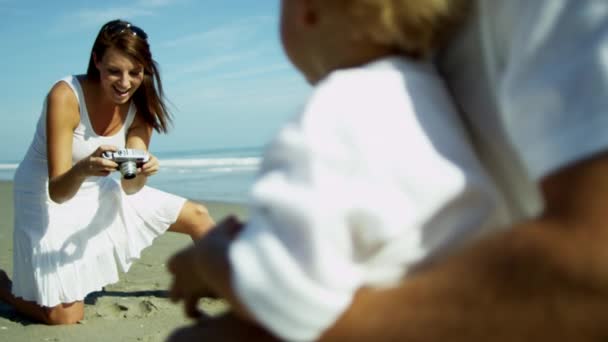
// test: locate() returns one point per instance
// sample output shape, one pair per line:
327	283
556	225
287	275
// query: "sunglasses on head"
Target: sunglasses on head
118	28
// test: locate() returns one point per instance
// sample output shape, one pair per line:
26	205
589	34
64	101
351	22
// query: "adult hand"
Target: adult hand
197	268
95	164
150	167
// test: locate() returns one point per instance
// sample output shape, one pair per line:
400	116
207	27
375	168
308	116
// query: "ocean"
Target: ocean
214	174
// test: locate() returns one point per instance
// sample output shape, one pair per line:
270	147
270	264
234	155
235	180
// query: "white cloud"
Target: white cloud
254	71
226	36
95	17
247	93
221	35
212	67
158	3
207	64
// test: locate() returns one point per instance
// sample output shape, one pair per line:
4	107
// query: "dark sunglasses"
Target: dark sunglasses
118	28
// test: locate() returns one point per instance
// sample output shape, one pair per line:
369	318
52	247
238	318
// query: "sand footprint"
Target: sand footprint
112	308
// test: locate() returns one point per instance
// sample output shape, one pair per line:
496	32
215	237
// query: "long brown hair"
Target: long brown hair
133	41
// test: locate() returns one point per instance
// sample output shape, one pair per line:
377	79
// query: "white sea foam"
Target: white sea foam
224	175
12	166
217	175
210	162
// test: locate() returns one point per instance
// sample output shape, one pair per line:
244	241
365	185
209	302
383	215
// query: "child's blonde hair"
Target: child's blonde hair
414	27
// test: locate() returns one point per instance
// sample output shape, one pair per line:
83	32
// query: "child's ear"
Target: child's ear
311	17
310	12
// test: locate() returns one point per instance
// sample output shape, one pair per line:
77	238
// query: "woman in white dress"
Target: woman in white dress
74	225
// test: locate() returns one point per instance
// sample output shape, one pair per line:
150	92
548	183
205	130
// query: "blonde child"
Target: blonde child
374	177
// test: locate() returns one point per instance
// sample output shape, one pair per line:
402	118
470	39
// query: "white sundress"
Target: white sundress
62	252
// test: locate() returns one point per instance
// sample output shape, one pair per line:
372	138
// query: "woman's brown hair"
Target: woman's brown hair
133	41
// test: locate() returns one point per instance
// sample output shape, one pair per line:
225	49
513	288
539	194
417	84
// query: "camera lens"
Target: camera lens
128	169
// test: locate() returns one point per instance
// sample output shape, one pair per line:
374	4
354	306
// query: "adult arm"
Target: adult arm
547	279
62	118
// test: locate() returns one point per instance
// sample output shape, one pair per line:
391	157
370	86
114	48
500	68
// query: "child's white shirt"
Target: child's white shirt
375	176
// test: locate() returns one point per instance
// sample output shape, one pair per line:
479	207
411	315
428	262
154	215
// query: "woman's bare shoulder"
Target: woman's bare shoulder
63	102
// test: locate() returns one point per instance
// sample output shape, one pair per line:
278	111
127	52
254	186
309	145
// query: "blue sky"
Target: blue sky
224	73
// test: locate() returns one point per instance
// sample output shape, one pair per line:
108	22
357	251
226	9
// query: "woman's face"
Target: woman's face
120	75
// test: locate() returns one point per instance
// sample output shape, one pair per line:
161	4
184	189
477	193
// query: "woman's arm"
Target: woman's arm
138	137
62	118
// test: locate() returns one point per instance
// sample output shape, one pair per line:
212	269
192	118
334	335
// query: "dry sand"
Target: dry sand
134	309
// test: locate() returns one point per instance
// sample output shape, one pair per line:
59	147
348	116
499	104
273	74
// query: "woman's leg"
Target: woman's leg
68	313
194	220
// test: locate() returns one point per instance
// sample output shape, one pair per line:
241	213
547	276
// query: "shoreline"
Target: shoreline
136	308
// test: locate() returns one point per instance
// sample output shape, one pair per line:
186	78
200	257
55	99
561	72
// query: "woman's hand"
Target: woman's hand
64	185
150	167
95	164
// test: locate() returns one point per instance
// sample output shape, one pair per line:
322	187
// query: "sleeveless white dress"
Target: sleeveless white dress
62	252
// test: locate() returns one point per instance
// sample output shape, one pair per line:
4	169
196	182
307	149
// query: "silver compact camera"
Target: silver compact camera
128	160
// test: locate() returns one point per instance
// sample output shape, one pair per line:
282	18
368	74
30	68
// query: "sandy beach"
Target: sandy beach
134	309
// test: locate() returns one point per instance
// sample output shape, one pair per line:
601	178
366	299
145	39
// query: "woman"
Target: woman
73	225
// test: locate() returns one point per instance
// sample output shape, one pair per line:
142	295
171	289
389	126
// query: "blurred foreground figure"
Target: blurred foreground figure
531	80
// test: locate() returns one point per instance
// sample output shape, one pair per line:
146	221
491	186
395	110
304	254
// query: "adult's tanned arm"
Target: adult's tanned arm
544	280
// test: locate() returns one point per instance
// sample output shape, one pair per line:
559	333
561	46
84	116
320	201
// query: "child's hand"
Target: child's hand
187	284
197	269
